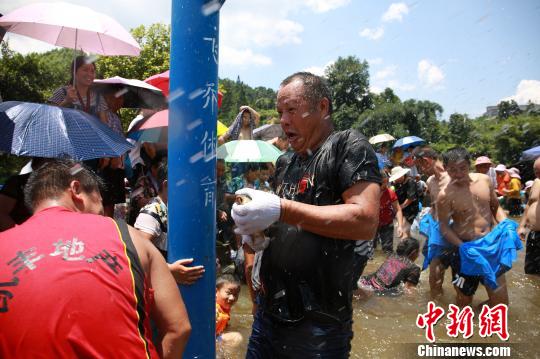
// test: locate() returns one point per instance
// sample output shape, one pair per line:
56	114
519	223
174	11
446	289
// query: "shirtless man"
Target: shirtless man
428	162
531	222
470	201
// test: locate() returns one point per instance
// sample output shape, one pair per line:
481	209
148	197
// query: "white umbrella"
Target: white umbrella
136	93
381	138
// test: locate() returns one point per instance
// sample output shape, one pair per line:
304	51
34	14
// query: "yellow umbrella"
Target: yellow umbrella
221	128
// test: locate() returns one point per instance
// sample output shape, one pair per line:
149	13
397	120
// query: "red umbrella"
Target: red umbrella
161	81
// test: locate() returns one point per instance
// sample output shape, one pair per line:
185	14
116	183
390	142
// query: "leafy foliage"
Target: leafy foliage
349	82
33	77
153	59
507	109
236	94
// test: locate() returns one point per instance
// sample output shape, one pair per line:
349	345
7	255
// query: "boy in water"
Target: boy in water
397	269
227	291
437	252
486	249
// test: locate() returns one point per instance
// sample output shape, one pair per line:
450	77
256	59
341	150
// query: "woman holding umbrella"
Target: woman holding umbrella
78	94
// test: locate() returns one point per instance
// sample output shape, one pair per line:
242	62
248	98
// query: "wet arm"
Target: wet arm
357	218
169	311
444	210
223	138
146	236
399	213
496	210
407	202
533	197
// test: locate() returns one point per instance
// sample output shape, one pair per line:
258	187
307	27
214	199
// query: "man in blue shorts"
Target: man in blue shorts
487	241
437	252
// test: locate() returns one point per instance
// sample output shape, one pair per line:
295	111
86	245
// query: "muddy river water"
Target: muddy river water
385	327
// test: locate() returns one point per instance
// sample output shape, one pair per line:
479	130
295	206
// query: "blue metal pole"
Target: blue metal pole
192	163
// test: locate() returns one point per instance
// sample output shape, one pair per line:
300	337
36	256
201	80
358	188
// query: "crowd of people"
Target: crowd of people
299	232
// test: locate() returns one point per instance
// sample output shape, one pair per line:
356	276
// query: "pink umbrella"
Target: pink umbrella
71	26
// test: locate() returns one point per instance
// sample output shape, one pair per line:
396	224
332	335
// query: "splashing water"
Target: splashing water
384	326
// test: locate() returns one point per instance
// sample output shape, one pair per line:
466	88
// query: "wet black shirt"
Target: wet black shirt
306	274
408	189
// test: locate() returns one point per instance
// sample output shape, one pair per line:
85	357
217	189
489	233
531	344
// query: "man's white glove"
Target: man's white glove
257	242
257	214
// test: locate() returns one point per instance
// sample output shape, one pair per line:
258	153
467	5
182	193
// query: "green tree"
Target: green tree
421	119
154	41
348	79
460	130
507	109
517	134
387	96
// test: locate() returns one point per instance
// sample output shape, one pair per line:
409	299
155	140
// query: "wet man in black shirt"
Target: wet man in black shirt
407	193
327	198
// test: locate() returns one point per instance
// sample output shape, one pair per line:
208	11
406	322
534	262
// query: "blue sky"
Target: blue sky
465	55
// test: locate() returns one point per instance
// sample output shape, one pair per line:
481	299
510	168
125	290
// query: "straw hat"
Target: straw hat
398	172
500	168
482	160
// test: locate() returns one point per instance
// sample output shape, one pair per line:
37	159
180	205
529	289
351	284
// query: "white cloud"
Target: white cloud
430	75
243	29
375	61
527	90
386	77
372	34
263	23
318	70
396	11
326	5
386	72
232	56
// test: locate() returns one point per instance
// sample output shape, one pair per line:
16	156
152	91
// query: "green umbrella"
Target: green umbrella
248	151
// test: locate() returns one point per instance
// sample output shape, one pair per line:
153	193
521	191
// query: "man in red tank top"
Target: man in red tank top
77	284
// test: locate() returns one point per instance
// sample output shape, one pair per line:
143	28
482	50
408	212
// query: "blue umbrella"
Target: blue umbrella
408	141
38	130
531	154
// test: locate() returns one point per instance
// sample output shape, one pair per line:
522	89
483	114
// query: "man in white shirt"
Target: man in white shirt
152	223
